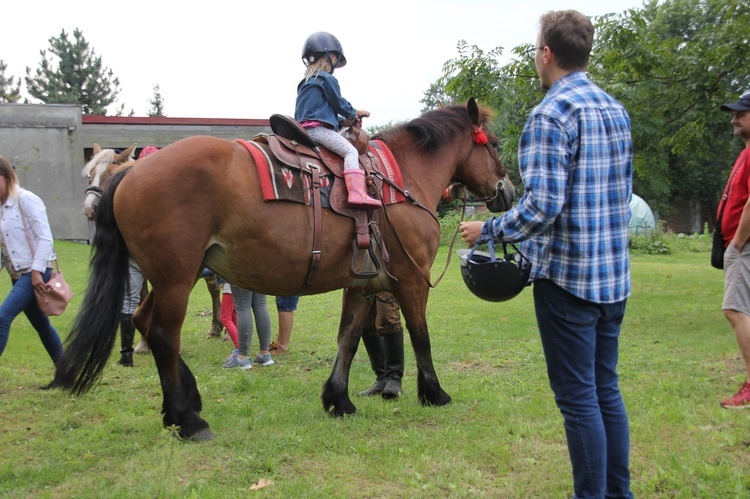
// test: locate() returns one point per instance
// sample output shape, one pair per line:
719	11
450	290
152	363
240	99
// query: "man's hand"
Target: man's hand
470	232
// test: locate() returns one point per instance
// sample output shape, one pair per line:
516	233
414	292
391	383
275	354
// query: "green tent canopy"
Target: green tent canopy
641	217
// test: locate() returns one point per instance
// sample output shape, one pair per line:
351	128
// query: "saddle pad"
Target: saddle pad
391	171
281	183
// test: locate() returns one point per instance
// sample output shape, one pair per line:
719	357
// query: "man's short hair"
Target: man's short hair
570	36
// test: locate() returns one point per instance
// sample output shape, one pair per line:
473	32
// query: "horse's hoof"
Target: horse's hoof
336	413
52	384
214	332
438	400
341	410
142	347
203	435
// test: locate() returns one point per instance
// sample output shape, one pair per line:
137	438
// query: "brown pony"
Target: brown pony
101	167
197	203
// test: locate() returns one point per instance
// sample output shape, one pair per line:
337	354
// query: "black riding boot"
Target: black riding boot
393	344
374	347
127	335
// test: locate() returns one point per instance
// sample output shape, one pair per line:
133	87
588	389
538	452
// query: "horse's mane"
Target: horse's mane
434	128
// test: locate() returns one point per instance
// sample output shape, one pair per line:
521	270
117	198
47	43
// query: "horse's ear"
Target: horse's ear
97	148
128	153
473	109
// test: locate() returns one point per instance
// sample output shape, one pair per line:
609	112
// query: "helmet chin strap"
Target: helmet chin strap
330	61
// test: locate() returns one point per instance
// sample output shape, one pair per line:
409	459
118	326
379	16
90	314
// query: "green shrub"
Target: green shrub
665	242
654	242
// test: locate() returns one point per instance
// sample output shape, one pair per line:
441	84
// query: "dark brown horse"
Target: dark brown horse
197	203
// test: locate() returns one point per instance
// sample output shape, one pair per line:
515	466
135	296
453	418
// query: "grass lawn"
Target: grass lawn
501	437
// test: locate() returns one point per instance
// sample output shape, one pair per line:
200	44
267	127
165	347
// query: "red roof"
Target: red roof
94	119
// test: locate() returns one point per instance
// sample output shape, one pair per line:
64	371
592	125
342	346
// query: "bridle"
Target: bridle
95	189
480	138
97	192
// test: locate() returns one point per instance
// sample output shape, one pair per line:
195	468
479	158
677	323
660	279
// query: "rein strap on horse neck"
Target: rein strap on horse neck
450	248
405	193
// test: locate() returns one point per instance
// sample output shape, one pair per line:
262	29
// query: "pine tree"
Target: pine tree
9	92
79	77
157	103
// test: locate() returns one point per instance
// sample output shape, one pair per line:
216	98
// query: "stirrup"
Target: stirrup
373	258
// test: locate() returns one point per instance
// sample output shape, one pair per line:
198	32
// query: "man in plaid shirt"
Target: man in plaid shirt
575	159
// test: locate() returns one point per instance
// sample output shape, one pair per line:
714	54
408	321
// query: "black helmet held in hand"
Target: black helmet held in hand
319	44
493	279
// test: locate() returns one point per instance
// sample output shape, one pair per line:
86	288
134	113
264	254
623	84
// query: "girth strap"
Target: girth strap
312	271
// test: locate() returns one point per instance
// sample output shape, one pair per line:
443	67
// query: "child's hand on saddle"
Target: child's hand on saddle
361	113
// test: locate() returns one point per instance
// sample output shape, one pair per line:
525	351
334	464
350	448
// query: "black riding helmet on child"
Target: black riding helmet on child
321	44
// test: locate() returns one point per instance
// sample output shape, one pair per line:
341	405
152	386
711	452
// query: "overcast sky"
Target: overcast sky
242	59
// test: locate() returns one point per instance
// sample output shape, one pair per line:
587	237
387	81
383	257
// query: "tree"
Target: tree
510	91
671	63
157	103
473	74
78	77
435	97
9	91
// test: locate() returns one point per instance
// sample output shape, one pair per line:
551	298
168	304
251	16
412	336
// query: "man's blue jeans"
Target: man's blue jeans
580	341
22	299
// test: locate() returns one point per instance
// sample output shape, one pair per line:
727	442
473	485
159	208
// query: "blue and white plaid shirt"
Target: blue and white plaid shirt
575	159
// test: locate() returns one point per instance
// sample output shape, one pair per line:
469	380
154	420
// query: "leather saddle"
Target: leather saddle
291	145
287	127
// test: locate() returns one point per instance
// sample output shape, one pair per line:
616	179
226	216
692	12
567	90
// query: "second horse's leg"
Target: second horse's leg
214	289
142	346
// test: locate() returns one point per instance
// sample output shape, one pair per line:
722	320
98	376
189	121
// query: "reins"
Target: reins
416	202
405	193
478	138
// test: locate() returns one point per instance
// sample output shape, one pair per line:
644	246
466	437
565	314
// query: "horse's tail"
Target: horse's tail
94	330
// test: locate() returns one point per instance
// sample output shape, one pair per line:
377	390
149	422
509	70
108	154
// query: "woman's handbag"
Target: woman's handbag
58	295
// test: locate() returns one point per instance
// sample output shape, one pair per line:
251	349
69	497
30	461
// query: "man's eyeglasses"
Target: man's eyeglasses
532	51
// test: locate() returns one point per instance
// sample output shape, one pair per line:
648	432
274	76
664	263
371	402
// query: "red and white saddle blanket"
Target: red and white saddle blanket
280	181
